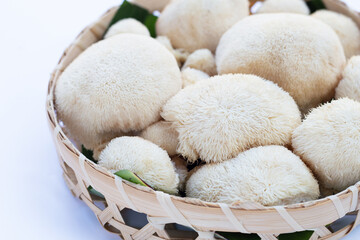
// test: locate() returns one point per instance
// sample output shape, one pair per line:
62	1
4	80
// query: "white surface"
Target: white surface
35	203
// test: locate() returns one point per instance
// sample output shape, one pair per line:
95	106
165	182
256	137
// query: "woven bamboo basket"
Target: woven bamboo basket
162	210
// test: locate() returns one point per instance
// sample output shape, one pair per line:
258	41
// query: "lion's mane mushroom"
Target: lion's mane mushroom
220	117
270	175
349	86
151	5
289	6
345	28
128	25
328	141
202	60
117	85
191	76
301	54
163	135
199	24
147	160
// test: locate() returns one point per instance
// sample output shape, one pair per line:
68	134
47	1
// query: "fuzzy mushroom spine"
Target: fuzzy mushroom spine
349	86
128	25
151	163
346	29
284	6
299	53
269	175
115	86
328	141
220	117
193	25
162	134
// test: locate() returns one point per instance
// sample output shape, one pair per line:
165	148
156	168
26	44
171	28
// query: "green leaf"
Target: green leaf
94	192
296	236
129	10
87	153
131	177
315	5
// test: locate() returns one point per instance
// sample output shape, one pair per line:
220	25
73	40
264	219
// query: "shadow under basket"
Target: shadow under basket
161	216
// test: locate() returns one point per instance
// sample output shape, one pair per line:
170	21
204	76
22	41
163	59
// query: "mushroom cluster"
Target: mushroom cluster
222	106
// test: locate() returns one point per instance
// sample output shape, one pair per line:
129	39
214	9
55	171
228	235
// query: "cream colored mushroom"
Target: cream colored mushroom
345	28
270	175
163	135
151	163
220	117
202	60
116	86
151	5
349	86
328	141
285	6
193	25
301	54
128	25
191	76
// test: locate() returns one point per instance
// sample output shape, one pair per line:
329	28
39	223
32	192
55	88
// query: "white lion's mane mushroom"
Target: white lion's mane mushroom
301	54
116	86
128	25
345	28
270	175
202	60
191	76
349	86
163	135
199	24
151	5
328	141
181	170
180	54
147	160
220	117
289	6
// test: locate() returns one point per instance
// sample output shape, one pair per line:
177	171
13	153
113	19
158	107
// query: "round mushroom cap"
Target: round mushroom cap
181	170
345	28
199	24
301	54
284	6
202	60
328	141
163	135
270	175
151	163
151	5
220	117
128	25
349	86
191	76
116	86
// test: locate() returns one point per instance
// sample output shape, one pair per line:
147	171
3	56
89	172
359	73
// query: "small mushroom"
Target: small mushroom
163	135
191	76
299	53
285	6
270	175
220	117
202	60
349	86
193	25
151	163
328	141
345	28
128	25
116	86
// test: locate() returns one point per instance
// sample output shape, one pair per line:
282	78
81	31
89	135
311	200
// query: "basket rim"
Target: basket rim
68	150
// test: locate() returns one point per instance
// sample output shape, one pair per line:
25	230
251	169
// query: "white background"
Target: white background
34	201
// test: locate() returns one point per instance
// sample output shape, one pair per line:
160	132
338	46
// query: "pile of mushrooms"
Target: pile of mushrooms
224	105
